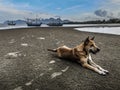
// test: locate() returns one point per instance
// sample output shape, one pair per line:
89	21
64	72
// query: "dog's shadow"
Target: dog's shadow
73	61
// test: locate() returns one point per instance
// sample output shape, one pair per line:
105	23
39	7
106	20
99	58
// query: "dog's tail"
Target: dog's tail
53	50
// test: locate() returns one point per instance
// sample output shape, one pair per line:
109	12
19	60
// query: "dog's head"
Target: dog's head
90	45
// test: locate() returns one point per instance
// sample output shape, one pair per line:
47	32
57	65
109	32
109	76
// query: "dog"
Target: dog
82	54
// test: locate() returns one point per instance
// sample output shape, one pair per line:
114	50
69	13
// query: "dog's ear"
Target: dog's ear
86	40
93	38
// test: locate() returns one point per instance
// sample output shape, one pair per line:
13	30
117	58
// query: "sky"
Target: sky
75	10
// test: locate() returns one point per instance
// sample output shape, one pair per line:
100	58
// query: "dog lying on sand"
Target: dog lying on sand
81	53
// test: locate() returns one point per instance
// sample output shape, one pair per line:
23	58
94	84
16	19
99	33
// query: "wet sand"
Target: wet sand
25	63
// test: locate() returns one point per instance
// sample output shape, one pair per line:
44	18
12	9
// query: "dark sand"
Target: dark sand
34	68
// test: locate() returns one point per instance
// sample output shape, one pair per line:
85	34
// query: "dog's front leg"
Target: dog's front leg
95	65
84	63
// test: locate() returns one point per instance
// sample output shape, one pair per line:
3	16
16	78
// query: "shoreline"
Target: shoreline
66	25
80	27
74	28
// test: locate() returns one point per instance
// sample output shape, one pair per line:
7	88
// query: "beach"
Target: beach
25	63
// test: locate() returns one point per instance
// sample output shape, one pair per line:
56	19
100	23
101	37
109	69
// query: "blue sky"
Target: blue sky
76	10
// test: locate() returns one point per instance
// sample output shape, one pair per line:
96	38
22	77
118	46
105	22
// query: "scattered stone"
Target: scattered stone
51	62
64	70
58	42
13	55
50	69
22	38
12	41
29	83
36	89
41	74
18	88
24	44
42	38
32	36
56	74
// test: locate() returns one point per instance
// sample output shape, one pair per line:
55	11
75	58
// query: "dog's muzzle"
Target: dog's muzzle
94	51
98	49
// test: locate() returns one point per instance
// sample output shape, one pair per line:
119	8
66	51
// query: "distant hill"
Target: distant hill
56	20
53	20
44	21
20	22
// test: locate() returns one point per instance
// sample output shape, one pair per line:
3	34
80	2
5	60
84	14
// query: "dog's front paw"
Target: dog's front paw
106	71
102	73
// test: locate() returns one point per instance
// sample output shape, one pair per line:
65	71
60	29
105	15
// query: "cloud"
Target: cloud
73	8
115	1
10	11
107	14
58	8
87	16
8	7
101	13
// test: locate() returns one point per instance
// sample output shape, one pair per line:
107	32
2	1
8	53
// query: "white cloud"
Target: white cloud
58	8
72	8
84	17
115	1
10	11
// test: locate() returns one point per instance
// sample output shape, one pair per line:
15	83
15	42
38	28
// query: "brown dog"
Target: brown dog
81	53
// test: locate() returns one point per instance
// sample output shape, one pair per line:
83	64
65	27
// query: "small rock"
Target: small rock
24	44
12	41
56	74
51	62
29	83
18	88
13	55
41	74
42	38
50	69
22	38
64	70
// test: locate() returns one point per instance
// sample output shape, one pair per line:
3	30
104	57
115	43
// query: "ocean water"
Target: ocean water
106	30
100	29
11	27
18	26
